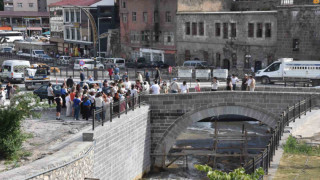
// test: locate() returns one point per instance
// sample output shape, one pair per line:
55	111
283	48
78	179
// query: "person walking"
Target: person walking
99	104
234	80
70	82
252	84
158	75
82	76
244	84
124	76
214	84
155	88
110	71
9	89
58	101
2	96
184	87
116	77
139	78
76	107
147	75
174	86
50	94
229	84
116	70
197	87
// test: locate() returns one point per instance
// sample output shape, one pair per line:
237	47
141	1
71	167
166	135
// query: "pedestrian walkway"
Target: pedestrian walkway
306	127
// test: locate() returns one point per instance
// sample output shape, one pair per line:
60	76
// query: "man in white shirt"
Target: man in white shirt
234	80
127	84
50	94
155	88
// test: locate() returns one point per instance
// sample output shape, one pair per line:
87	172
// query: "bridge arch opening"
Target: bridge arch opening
204	113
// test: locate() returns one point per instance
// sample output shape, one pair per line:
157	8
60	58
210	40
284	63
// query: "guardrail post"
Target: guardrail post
305	106
310	101
288	116
102	117
111	111
93	119
300	109
119	108
294	113
139	99
126	100
268	157
253	164
133	102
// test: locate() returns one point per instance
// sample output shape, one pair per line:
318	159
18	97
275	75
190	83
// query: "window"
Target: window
218	59
247	62
124	18
134	16
187	28
68	33
67	16
168	16
145	17
218	29
233	30
31	5
169	39
268	30
78	34
259	30
234	60
78	16
273	67
19	5
194	29
205	55
73	34
156	17
295	45
225	30
250	29
72	16
201	28
123	4
187	55
145	36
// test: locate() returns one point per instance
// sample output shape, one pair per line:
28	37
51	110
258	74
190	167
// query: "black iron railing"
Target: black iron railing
289	115
115	109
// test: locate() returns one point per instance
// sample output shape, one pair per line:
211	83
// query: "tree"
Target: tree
21	106
237	174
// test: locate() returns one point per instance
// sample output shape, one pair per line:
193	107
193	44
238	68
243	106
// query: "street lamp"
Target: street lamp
99	37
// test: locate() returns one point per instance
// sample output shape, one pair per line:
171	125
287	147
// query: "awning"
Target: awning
6	28
19	28
46	33
34	28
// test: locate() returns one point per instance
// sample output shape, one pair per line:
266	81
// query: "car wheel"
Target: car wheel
265	80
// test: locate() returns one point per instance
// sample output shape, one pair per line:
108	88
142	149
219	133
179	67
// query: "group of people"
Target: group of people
248	83
7	92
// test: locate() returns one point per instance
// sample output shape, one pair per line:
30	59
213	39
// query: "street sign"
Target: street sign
81	63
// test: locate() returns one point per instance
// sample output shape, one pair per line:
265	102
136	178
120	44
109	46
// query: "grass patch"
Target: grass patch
293	146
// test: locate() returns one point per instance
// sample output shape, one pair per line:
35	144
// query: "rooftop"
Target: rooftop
75	3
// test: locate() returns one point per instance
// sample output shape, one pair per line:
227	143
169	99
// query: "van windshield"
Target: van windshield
19	68
121	61
39	52
204	63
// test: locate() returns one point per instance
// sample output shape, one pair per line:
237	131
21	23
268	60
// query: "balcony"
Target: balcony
297	2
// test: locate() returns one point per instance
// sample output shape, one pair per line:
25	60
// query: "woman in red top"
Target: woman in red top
110	70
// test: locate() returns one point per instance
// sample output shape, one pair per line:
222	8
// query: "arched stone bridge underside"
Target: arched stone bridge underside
171	114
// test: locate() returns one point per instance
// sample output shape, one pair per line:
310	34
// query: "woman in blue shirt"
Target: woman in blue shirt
86	107
76	106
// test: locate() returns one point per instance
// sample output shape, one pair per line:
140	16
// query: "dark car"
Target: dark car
159	64
43	93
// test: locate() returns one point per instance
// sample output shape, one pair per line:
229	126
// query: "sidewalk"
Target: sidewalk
306	127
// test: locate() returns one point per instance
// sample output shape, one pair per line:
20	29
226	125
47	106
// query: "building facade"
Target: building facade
230	40
147	29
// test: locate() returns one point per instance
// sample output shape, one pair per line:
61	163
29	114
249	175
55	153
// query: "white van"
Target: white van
287	68
13	70
87	64
195	64
120	62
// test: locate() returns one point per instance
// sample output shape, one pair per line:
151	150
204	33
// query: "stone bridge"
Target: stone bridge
171	114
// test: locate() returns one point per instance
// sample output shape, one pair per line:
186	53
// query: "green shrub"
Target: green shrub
11	117
237	174
293	146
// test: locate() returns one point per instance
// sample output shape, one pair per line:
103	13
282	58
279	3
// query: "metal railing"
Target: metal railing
297	2
115	109
289	115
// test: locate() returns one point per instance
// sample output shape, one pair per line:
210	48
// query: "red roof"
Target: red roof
75	3
23	14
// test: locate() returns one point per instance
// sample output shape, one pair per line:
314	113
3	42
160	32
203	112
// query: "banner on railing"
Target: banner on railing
203	73
220	73
185	73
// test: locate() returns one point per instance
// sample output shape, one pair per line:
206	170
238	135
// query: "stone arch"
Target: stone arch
181	123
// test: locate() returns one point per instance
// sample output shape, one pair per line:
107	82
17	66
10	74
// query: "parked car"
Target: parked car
46	58
43	93
195	64
6	50
87	64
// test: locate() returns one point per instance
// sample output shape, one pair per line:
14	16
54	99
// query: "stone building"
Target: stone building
299	31
147	29
236	40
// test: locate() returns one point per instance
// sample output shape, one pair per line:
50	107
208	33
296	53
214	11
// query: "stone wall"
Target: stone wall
167	108
122	148
74	162
203	5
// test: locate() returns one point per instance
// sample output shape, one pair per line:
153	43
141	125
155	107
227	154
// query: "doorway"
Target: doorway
226	64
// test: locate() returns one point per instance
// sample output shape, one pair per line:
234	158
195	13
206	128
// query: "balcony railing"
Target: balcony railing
297	2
